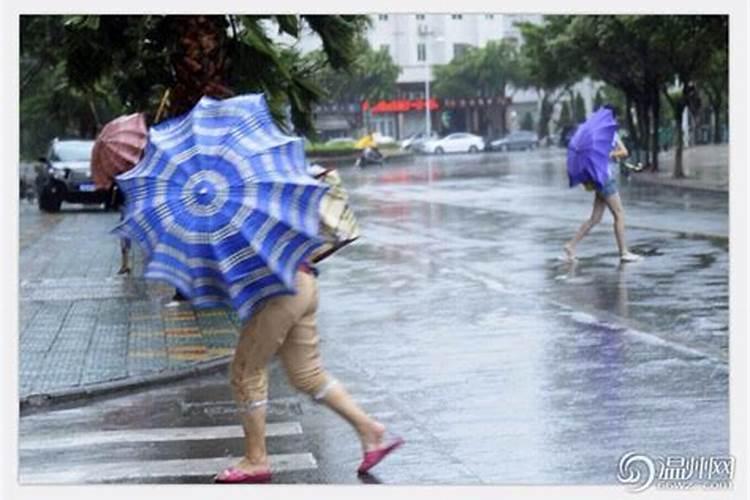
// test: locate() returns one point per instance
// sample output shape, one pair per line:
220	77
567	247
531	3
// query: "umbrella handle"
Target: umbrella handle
162	105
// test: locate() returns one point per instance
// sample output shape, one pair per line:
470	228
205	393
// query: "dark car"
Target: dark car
518	140
65	176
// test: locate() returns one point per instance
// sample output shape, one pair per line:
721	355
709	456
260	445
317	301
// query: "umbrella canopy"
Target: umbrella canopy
589	148
222	204
118	147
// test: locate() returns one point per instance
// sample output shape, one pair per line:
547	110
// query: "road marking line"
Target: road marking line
152	469
72	439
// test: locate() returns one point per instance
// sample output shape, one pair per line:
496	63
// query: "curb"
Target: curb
677	184
65	397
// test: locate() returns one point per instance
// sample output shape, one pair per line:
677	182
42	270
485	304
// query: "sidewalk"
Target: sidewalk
83	330
706	167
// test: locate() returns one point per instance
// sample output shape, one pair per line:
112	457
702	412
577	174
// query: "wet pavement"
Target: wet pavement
454	321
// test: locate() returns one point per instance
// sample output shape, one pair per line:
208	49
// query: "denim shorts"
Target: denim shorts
609	188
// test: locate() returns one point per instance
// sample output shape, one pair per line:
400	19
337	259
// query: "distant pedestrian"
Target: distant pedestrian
606	197
125	244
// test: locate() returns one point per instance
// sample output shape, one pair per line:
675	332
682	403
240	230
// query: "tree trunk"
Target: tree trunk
656	114
503	118
717	122
679	172
643	136
632	131
199	61
545	115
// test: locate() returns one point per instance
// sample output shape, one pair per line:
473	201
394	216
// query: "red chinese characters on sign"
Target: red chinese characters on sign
399	106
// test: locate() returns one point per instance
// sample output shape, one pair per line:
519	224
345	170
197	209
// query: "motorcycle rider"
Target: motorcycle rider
369	149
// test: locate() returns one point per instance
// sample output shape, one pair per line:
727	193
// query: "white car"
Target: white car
460	142
415	141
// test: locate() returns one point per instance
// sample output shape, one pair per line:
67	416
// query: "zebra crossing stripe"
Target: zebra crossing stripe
156	469
72	439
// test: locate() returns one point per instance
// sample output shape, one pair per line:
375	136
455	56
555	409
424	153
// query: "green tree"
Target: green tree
550	64
192	56
372	76
615	49
491	71
686	61
715	84
642	56
50	105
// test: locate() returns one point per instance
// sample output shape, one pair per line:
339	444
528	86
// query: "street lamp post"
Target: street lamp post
427	117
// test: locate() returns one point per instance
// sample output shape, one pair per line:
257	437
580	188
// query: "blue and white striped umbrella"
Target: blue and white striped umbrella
222	204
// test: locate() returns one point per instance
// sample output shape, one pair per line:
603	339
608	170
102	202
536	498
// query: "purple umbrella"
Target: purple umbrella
589	148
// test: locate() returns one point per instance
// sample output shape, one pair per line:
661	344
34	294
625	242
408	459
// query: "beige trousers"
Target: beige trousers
285	324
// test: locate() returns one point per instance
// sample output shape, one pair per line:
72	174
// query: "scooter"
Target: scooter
369	156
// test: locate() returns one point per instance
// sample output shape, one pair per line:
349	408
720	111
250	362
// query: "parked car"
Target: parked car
518	140
415	141
65	176
460	142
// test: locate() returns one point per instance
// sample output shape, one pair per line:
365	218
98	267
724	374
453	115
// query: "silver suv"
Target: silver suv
65	175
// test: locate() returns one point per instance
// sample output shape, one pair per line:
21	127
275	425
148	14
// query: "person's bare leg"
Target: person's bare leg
615	207
259	340
596	216
370	431
124	261
256	457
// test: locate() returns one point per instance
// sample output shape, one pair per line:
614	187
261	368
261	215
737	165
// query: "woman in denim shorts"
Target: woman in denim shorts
607	197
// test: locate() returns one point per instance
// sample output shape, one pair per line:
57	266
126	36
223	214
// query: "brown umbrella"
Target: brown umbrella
118	148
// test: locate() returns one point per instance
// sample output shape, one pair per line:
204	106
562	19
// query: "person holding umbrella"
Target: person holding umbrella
117	148
592	154
226	211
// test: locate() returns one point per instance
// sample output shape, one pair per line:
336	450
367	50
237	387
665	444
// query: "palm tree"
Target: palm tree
197	55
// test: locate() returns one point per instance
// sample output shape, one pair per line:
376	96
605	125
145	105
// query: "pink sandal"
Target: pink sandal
372	458
236	476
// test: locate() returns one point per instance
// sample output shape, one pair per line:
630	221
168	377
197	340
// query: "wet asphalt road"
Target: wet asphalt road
455	323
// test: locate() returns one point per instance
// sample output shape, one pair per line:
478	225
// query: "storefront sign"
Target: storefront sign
399	106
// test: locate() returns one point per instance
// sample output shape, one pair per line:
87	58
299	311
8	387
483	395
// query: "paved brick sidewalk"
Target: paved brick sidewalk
707	168
81	325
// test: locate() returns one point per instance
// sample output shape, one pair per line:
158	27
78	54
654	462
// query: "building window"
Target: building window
382	17
489	16
421	52
457	16
459	49
385	48
420	17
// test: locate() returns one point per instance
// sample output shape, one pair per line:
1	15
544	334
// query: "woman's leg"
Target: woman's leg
596	216
300	356
615	206
124	256
259	340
